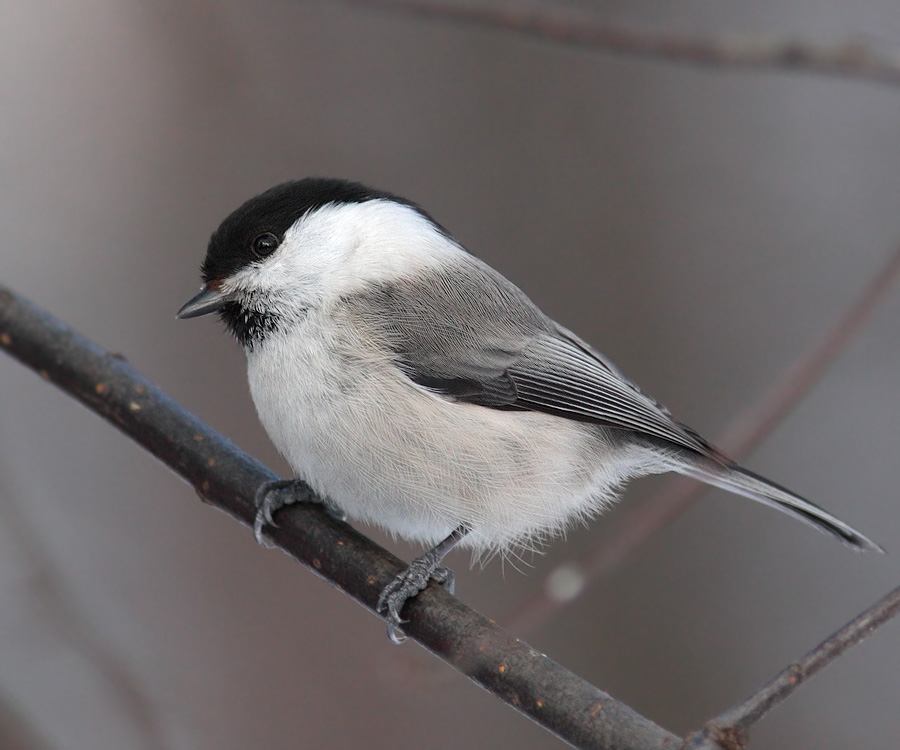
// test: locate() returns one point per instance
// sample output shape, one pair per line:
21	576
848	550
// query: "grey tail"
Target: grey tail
729	476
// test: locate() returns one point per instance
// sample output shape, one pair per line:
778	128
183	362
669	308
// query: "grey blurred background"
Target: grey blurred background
701	228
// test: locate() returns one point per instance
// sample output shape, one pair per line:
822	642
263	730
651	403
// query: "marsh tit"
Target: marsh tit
412	386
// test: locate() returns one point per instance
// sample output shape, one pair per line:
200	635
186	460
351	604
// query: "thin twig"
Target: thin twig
744	434
227	478
849	58
729	729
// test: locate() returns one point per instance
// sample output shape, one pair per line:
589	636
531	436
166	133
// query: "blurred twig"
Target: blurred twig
16	731
849	58
728	731
61	612
227	478
746	432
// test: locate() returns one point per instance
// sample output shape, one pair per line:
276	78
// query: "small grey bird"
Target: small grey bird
412	386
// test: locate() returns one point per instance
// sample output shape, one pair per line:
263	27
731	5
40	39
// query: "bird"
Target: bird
410	385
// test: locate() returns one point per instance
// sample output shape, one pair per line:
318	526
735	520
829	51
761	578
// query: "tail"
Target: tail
729	476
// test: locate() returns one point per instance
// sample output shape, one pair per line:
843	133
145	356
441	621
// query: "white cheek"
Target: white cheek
338	249
276	285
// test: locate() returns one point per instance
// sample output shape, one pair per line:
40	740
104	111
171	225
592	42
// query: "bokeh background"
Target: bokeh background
702	228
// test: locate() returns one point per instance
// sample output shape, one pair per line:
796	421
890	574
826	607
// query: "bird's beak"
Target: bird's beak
209	300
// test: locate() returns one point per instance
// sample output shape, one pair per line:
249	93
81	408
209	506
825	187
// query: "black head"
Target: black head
241	238
255	231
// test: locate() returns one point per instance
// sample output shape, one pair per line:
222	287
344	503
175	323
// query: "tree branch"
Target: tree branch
728	731
848	58
227	478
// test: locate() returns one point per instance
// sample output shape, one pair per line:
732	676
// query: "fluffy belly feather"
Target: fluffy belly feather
391	453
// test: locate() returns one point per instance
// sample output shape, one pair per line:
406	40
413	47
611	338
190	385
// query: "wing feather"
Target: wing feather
467	333
556	375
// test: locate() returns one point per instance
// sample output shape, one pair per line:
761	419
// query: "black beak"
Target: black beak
208	301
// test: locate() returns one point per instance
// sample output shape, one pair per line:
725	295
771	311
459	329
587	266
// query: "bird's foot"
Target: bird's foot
273	496
406	586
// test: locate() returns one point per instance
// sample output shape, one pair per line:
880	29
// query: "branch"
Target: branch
848	58
729	730
227	478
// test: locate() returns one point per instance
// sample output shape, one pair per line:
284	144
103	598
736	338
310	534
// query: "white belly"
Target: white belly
391	453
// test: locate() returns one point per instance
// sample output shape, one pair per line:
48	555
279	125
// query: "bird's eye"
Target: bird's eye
264	245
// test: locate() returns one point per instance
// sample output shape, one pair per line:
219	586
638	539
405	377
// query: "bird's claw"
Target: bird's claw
273	496
406	586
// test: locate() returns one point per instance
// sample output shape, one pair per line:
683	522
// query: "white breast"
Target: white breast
391	453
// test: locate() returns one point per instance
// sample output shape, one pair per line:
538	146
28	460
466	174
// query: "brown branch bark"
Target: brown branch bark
227	478
847	58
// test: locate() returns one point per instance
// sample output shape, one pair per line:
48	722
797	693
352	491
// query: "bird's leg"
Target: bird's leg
272	496
413	580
